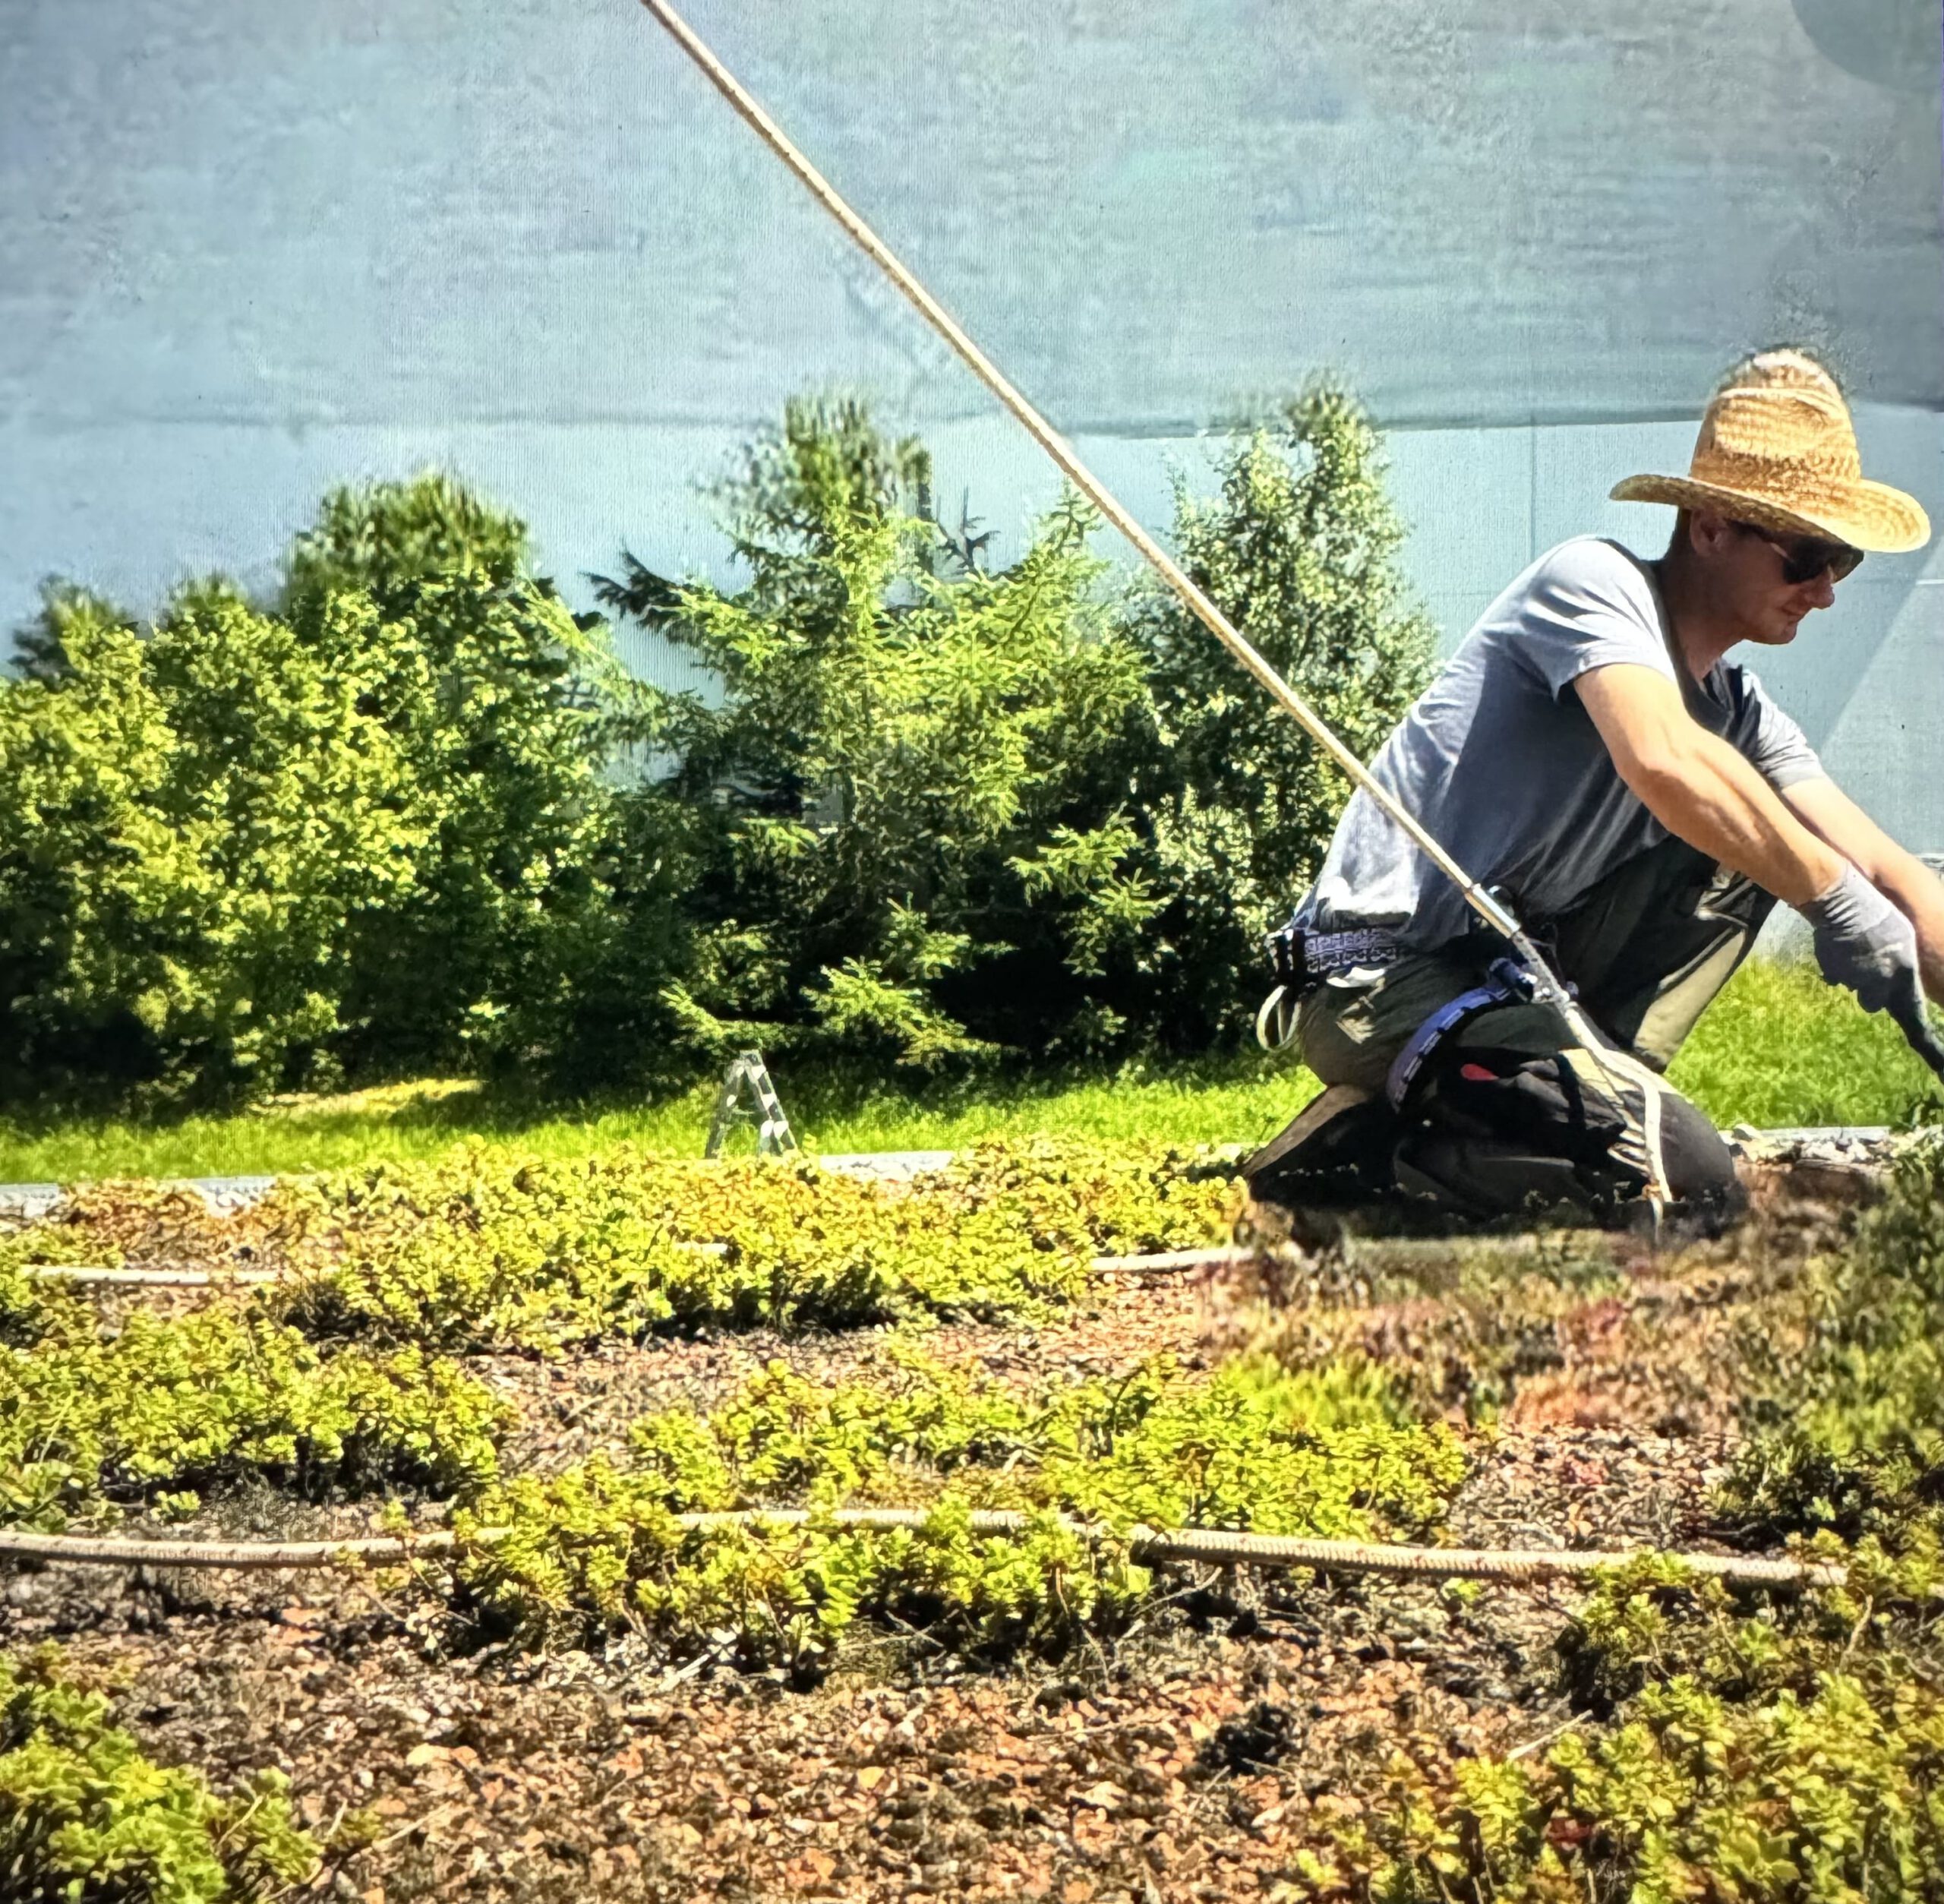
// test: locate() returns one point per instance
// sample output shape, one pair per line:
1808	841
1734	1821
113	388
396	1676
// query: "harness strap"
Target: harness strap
1275	1022
1650	1156
1501	988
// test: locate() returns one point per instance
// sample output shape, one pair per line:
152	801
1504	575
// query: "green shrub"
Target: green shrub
539	916
85	1815
1299	550
1846	1429
374	828
189	822
917	771
1791	1757
963	809
395	820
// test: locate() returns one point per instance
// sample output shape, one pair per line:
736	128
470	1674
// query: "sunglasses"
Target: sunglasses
1805	558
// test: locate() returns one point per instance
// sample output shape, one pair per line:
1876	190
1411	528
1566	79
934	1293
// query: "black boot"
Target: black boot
1333	1154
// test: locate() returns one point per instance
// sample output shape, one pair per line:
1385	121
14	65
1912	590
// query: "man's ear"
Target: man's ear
1708	533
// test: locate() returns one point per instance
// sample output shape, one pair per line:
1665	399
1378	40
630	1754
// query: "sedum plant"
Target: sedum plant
91	1419
85	1814
1328	1452
1790	1756
343	1376
483	1252
1846	1427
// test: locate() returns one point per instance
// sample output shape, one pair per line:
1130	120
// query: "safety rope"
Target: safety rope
1549	987
1210	1545
1488	909
93	1275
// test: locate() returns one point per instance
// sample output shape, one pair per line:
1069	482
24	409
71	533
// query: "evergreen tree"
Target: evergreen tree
1299	548
919	843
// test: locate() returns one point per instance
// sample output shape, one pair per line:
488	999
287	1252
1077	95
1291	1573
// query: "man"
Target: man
1639	801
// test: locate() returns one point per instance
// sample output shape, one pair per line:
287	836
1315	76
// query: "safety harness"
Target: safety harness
1302	960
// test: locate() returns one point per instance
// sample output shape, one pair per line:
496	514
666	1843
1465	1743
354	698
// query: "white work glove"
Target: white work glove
1863	941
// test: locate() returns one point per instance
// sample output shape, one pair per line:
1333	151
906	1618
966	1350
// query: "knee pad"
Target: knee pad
1498	1133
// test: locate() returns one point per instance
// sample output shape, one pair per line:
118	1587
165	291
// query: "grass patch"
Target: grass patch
1779	1047
1234	1100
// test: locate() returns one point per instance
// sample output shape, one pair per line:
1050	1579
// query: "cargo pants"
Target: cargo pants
1649	947
1647	950
1532	1117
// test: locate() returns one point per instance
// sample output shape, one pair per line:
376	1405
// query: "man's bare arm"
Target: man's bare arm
1699	787
1901	877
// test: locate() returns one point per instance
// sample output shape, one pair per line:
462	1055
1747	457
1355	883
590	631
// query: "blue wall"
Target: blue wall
248	250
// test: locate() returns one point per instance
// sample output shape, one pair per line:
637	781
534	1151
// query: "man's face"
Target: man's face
1750	569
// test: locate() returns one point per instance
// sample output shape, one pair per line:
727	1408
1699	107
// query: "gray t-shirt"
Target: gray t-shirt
1506	769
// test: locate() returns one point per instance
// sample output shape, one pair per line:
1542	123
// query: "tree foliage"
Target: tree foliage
191	821
370	827
1299	548
916	775
540	914
933	810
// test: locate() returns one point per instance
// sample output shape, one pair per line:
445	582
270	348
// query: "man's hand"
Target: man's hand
1878	911
1863	941
1916	891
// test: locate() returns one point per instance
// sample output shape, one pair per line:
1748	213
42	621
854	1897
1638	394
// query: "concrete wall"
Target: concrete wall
248	250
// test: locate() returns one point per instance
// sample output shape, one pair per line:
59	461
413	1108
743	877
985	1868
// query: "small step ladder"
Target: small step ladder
747	1073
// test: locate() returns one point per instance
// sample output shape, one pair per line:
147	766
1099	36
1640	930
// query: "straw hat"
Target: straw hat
1777	449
